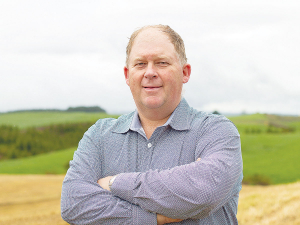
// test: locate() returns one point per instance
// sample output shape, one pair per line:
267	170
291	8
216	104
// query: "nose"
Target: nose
150	72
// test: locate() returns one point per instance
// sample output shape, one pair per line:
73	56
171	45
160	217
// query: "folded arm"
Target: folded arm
83	201
189	191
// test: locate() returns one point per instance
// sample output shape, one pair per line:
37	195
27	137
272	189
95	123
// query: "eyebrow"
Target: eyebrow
156	58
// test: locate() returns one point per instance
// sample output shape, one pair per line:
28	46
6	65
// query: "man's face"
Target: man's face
154	73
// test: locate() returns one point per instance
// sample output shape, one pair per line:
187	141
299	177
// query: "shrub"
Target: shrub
15	143
257	179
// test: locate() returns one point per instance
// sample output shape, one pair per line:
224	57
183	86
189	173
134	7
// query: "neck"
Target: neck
150	124
153	118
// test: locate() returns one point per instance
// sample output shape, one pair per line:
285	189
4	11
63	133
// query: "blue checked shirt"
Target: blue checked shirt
156	175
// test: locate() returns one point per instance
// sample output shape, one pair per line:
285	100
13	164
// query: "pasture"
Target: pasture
271	155
269	149
48	163
39	119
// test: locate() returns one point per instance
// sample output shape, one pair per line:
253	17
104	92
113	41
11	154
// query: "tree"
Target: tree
216	112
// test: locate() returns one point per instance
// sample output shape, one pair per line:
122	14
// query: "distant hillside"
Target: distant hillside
25	134
270	143
86	109
45	118
70	109
16	143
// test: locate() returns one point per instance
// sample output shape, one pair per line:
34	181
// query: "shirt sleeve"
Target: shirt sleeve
83	201
193	190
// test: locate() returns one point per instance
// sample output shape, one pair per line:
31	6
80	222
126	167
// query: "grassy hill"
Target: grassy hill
268	154
24	134
273	158
270	145
265	121
271	151
40	119
49	163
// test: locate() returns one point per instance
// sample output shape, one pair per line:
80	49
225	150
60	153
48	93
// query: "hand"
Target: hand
198	160
103	182
163	220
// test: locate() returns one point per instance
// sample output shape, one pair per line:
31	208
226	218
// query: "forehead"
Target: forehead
151	34
152	41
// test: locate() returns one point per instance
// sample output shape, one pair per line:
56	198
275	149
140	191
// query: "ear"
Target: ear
186	73
126	73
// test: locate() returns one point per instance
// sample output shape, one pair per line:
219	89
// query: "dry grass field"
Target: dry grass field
30	199
270	205
35	199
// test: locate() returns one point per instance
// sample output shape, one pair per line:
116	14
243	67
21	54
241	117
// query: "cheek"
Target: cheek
174	82
134	83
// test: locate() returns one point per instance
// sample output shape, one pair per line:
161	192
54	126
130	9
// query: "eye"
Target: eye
140	64
162	63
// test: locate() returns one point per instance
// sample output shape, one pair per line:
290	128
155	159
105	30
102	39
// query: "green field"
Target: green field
274	156
49	163
262	121
271	154
39	119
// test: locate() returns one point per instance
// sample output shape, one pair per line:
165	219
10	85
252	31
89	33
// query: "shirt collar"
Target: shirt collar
136	123
181	116
179	120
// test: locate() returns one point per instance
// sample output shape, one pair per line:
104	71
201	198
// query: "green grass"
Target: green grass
265	155
39	119
273	155
249	119
261	121
49	163
269	155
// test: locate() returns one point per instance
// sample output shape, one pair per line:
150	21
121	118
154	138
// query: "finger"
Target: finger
173	220
198	159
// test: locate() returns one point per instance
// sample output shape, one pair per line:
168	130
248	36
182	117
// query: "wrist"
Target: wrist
110	182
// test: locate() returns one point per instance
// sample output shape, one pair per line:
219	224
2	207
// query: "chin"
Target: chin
153	106
153	103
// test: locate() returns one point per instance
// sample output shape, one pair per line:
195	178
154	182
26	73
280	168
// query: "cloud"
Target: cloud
56	54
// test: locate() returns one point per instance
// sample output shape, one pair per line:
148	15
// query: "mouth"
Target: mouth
152	87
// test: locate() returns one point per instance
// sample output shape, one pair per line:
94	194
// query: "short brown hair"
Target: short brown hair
174	37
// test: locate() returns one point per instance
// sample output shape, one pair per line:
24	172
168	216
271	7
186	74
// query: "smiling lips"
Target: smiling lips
152	88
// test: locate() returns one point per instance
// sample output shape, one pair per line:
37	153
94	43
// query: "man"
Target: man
163	163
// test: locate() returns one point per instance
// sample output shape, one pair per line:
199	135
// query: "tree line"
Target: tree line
89	109
17	143
271	129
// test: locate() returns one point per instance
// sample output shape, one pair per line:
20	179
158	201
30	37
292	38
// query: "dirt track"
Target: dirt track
35	199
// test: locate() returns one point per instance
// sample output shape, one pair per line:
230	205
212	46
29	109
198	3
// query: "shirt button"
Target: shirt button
149	145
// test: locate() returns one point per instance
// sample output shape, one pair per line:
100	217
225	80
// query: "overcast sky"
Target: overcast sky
60	53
